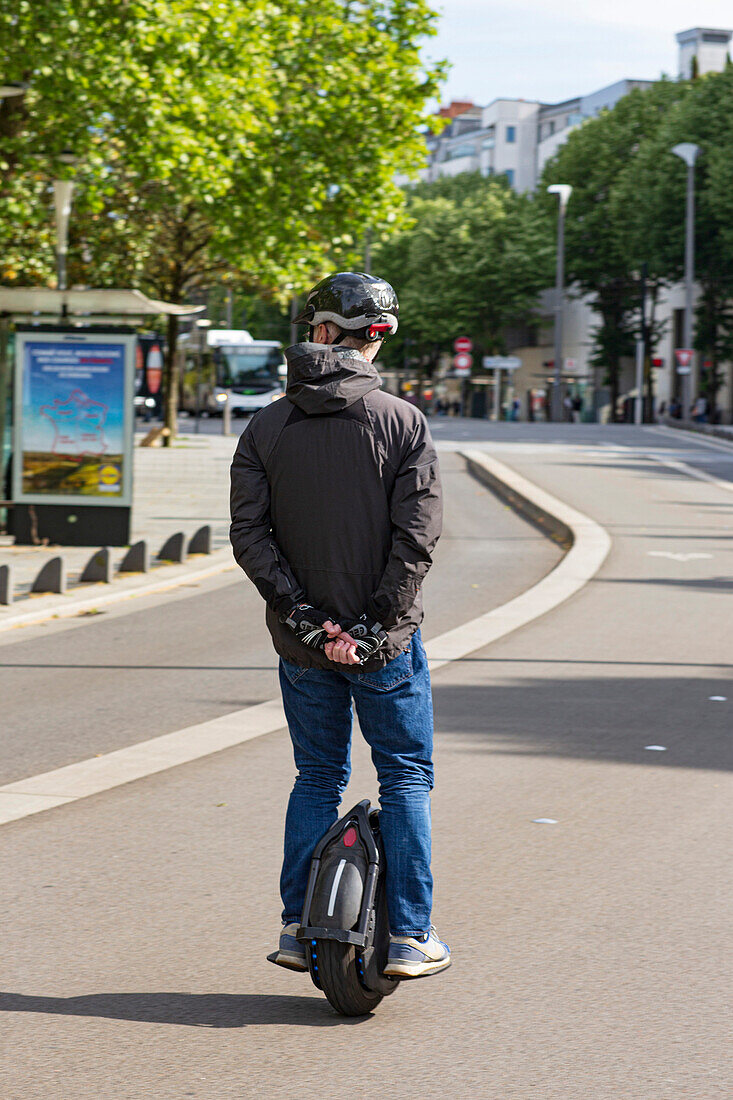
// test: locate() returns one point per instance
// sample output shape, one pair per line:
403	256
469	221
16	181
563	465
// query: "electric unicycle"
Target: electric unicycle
345	927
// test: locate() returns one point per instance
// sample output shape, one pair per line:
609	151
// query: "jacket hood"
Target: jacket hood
323	378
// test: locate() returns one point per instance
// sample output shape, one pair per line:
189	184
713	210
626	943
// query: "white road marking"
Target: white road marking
101	773
676	556
683	468
694	438
718	698
656	748
112	769
544	821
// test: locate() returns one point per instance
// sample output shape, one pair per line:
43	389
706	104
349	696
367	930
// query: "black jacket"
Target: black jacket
336	500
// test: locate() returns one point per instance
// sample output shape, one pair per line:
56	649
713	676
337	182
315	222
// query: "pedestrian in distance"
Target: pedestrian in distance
336	509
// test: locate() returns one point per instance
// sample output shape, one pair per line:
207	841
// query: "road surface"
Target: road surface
592	955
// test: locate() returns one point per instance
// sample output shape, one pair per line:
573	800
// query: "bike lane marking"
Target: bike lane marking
94	775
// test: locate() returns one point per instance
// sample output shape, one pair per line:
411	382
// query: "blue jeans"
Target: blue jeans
395	710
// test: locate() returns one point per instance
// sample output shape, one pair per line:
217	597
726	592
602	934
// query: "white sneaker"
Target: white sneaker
413	957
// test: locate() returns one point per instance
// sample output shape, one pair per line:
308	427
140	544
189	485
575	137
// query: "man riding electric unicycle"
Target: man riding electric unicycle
336	508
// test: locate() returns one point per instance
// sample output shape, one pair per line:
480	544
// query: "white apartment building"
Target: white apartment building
516	138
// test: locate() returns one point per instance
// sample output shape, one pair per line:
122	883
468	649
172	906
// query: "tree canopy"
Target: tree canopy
214	139
472	262
604	240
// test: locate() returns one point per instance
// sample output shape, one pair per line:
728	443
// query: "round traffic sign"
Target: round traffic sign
463	343
463	361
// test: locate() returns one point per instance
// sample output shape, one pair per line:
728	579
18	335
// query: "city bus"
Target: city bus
229	366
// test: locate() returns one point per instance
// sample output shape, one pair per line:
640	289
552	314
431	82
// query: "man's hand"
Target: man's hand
359	640
342	650
311	626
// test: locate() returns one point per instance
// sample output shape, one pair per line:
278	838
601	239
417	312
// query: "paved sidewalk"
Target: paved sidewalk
136	922
178	488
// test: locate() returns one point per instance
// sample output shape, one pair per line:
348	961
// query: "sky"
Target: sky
551	50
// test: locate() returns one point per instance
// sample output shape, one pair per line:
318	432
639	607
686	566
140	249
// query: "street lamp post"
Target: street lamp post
640	350
563	191
63	191
202	325
688	152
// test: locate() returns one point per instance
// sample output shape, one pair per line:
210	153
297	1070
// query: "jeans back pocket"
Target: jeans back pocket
293	672
392	675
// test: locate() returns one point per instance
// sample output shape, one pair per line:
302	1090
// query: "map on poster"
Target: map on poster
73	418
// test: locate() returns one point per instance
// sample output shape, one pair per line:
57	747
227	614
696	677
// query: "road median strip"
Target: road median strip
588	545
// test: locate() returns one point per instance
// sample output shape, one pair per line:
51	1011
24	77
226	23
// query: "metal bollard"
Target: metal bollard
226	419
6	585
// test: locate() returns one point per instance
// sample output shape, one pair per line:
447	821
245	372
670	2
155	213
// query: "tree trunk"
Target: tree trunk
648	371
713	386
171	381
613	379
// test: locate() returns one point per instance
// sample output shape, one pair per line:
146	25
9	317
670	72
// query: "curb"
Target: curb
590	545
720	431
522	496
166	576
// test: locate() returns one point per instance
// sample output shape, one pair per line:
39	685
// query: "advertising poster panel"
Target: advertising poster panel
73	423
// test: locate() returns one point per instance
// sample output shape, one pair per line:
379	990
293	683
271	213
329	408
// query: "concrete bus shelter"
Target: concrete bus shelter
67	361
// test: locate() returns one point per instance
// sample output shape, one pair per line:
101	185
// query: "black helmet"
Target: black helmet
360	303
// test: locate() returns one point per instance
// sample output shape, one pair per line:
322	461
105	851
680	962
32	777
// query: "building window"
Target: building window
459	151
511	134
551	127
509	173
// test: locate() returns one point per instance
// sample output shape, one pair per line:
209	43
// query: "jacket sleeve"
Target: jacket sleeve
251	534
416	510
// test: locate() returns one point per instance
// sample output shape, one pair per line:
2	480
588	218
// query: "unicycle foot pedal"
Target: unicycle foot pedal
273	958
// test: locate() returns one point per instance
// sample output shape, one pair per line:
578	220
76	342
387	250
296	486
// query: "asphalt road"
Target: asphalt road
74	688
591	956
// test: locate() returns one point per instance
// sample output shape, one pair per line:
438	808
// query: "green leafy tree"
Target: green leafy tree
603	259
255	142
650	194
472	261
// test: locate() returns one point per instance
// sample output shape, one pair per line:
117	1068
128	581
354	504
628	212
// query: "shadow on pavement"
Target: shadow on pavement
610	718
701	584
217	1010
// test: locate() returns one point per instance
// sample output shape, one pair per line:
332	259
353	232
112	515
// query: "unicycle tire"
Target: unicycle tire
338	977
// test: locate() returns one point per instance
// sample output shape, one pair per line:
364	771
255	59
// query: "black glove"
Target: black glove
368	635
306	623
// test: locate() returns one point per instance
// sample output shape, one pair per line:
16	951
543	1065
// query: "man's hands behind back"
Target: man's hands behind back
358	641
353	644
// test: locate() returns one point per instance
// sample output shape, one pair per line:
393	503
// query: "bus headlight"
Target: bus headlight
276	396
222	398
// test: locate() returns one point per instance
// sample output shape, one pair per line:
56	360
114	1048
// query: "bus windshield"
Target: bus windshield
241	366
